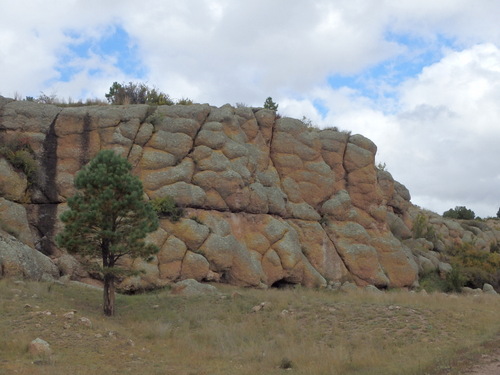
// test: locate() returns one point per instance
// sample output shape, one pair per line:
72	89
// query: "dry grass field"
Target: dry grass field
299	331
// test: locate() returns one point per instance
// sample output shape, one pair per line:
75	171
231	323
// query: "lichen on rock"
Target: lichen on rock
267	199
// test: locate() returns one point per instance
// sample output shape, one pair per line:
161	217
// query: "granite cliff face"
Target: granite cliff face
268	200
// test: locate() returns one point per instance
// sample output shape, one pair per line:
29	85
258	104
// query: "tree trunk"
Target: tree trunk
109	295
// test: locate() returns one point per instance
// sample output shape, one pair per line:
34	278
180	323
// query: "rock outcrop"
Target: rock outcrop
268	200
18	260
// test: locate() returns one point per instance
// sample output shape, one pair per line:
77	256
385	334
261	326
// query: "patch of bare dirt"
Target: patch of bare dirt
489	364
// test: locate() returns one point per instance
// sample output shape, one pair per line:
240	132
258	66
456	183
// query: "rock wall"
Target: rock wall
268	200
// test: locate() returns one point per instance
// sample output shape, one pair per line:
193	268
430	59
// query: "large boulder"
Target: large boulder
14	183
21	261
191	287
14	220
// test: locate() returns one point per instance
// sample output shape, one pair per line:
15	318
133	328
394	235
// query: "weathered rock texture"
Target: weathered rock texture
21	261
268	199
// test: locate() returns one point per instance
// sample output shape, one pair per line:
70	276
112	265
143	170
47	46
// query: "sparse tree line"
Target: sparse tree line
118	94
127	93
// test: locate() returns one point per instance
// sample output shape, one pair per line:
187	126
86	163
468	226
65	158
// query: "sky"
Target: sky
420	78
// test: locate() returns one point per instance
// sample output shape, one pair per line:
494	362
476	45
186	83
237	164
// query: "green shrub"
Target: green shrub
136	93
24	161
455	280
422	229
269	104
452	282
432	282
184	101
460	212
476	266
168	208
20	155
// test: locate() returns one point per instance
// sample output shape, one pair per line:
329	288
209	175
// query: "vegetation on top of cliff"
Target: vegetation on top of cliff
459	212
108	217
53	99
118	94
269	104
136	93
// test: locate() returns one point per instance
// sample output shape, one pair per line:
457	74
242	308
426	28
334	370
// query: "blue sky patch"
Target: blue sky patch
378	81
115	44
321	106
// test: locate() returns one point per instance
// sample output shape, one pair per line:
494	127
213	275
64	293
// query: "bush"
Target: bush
431	282
269	104
136	93
453	282
460	212
24	161
476	266
54	100
20	155
422	229
184	101
167	207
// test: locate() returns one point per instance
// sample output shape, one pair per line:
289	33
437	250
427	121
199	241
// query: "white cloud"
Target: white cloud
437	131
442	142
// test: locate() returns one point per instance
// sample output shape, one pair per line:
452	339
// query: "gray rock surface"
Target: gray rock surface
191	287
275	200
21	261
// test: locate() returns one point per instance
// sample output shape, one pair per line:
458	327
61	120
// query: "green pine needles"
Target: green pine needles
108	217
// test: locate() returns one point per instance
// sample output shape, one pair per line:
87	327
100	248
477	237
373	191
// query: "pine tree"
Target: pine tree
269	104
108	218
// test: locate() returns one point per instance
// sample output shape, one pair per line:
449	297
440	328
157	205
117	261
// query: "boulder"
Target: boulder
39	348
373	289
195	266
488	289
467	290
348	287
69	266
18	260
14	183
14	220
191	288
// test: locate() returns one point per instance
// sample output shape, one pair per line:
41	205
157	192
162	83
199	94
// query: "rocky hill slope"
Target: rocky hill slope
269	201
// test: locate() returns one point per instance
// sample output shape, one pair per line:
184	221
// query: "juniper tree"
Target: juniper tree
108	218
269	104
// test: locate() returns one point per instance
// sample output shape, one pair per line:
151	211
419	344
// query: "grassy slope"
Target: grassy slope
321	332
